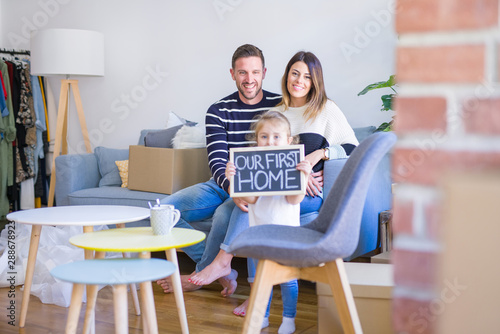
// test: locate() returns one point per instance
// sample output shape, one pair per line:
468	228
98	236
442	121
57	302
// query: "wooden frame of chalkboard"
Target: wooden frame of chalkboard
267	171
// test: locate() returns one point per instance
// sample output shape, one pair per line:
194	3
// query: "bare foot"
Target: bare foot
220	267
166	284
211	273
242	309
229	283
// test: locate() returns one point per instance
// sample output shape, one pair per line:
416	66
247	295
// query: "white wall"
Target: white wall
190	45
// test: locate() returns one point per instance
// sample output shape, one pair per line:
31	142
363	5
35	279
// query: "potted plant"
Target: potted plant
386	99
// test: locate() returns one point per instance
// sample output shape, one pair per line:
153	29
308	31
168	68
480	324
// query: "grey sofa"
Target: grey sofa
93	179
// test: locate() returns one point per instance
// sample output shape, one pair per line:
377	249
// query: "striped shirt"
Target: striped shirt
227	123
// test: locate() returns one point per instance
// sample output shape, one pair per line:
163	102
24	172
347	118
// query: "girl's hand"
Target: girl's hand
230	170
305	166
241	203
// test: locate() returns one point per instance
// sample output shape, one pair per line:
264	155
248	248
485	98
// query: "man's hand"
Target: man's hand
314	184
240	203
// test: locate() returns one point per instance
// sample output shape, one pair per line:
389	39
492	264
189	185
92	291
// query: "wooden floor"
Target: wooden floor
208	312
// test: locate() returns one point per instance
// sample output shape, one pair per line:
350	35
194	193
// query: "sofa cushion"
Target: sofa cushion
189	137
106	157
161	138
363	132
113	196
173	121
75	172
123	168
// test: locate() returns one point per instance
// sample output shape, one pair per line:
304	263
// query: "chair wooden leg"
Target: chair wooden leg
121	308
268	274
342	294
74	308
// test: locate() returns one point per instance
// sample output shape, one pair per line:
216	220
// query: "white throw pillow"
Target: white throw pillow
189	137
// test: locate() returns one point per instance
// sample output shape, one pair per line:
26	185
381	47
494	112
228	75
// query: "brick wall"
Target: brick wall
447	118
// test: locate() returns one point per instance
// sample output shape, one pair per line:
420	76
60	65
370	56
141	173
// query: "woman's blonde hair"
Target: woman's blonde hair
270	116
317	95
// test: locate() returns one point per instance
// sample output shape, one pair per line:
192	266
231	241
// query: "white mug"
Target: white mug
163	218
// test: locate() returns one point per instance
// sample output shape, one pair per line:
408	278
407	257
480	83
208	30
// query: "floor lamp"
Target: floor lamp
67	52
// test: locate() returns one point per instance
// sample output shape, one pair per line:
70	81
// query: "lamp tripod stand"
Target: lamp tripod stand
61	143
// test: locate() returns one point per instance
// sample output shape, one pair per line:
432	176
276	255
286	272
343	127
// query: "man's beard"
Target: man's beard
246	96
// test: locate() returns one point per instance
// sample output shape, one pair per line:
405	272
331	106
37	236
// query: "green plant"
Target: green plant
386	99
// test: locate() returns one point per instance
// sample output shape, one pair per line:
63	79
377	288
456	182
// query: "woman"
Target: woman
325	133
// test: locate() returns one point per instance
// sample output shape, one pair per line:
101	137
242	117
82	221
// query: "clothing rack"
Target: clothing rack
15	52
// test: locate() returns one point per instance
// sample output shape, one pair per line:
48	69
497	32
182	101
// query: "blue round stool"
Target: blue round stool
115	272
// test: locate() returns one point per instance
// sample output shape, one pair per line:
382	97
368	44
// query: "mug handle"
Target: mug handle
177	216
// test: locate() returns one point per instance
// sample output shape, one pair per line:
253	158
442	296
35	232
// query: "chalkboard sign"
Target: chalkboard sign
267	170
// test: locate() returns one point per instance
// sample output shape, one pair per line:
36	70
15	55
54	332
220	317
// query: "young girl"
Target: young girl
273	129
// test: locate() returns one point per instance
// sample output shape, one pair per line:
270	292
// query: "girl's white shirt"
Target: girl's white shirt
273	210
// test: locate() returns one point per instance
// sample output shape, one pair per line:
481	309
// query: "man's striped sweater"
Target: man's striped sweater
227	123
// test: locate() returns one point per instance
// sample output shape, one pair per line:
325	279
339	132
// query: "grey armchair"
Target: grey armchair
315	251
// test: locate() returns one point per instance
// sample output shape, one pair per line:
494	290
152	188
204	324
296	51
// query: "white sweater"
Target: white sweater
329	129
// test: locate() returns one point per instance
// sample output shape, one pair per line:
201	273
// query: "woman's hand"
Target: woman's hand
315	157
315	180
315	184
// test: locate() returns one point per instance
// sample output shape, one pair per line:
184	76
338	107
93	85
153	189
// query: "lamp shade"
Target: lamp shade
67	52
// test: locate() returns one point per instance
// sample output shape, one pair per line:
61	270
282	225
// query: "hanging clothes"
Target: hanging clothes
26	137
3	89
12	189
3	102
42	183
7	136
15	83
24	142
40	127
28	184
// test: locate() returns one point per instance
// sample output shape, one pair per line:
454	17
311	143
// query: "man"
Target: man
227	123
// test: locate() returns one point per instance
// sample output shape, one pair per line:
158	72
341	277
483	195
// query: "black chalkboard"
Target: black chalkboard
267	170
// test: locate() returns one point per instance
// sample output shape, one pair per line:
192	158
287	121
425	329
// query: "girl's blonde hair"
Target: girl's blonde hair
270	116
317	95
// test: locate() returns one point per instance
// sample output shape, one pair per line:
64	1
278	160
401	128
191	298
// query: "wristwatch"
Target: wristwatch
327	153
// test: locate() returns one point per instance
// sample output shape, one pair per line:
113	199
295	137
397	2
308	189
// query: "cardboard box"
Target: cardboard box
371	285
466	284
166	170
